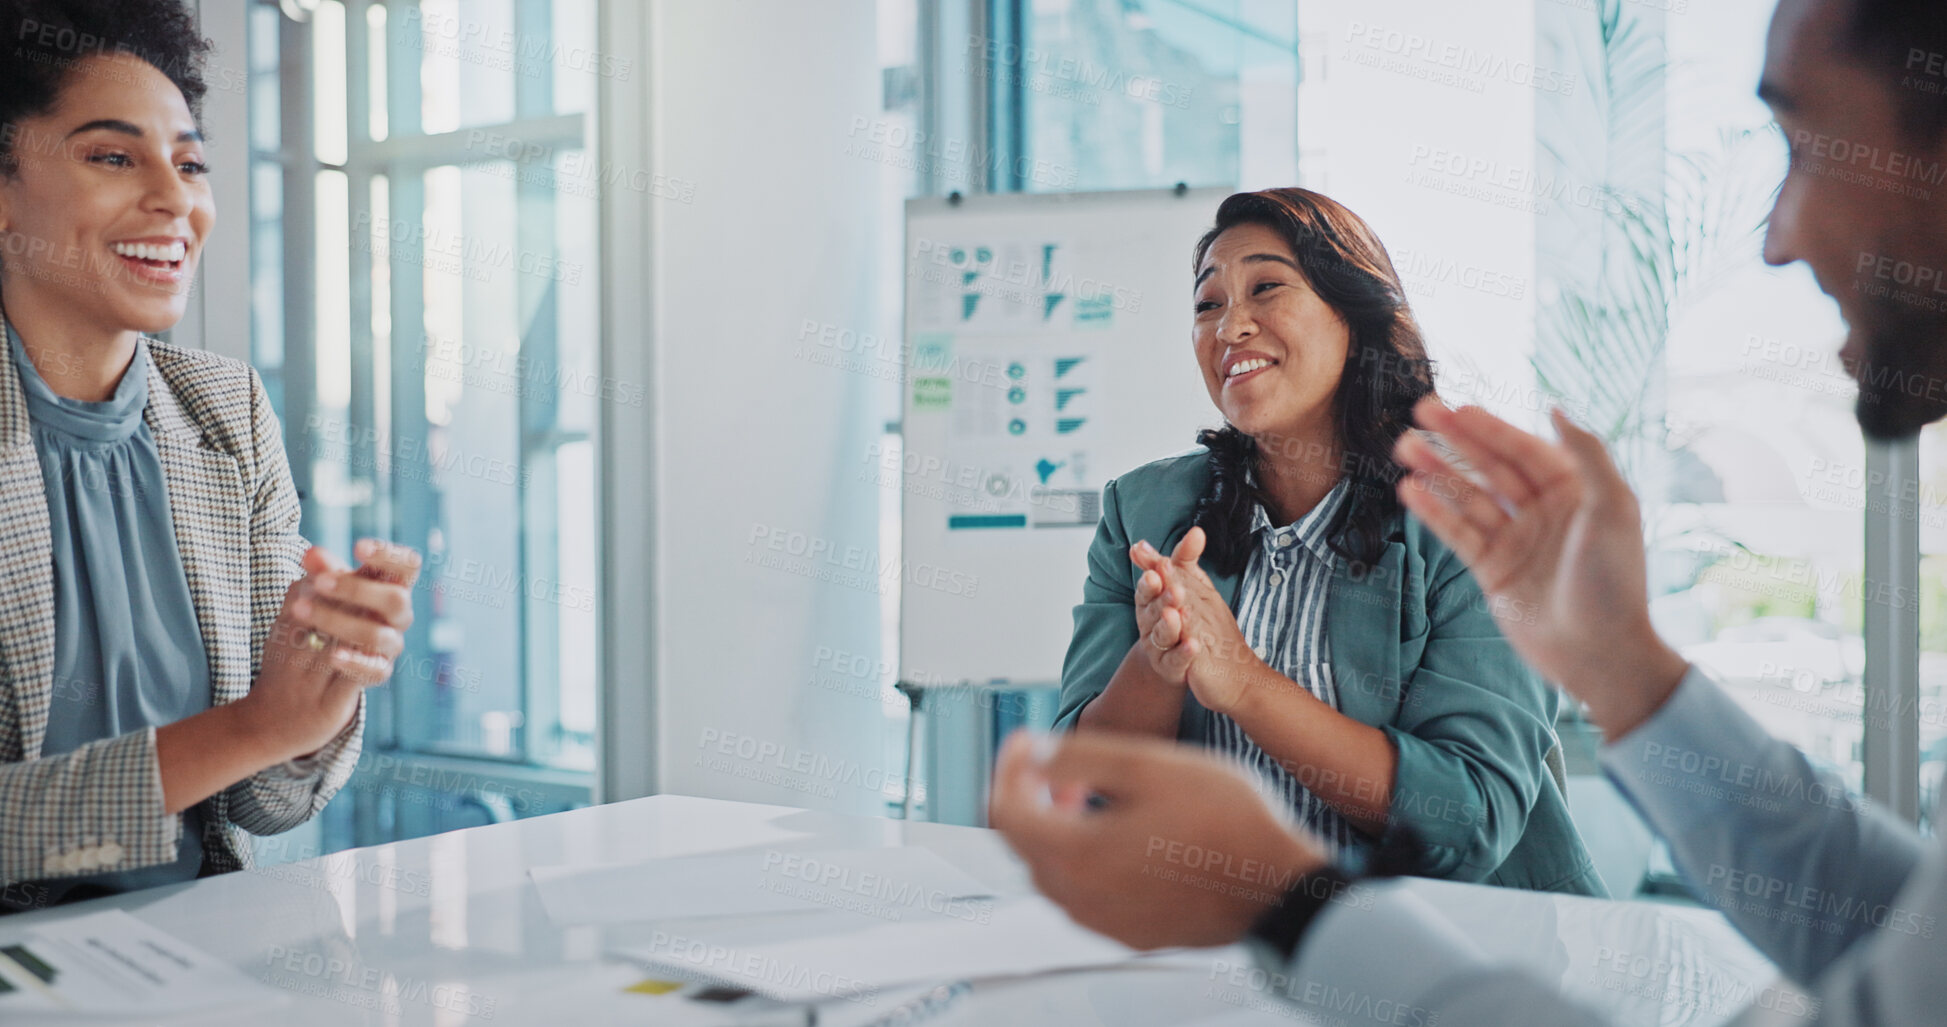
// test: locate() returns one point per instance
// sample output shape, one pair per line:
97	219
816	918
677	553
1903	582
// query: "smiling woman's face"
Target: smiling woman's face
1271	351
109	205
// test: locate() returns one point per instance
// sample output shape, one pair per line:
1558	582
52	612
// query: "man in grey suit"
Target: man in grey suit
1845	898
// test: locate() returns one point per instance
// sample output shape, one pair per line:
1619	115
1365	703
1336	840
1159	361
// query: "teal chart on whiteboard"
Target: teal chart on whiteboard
1048	350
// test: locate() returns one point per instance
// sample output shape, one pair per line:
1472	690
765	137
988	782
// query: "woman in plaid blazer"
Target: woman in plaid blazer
104	208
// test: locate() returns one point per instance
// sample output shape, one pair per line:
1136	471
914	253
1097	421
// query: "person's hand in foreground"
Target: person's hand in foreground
1181	849
1555	539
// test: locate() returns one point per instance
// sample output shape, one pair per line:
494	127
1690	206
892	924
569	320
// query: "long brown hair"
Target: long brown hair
1386	372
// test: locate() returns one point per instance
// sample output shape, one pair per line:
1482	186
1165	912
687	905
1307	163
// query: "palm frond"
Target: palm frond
1601	341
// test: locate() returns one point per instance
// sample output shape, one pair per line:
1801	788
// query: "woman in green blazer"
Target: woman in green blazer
1302	622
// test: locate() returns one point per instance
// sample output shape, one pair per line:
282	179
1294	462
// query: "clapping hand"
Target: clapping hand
1191	633
1554	537
338	633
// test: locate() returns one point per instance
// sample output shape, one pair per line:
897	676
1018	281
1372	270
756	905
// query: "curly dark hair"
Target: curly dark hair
41	41
1386	373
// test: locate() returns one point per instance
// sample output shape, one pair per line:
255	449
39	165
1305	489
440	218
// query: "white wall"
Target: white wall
753	101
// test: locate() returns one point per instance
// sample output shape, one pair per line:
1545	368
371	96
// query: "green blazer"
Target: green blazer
1415	653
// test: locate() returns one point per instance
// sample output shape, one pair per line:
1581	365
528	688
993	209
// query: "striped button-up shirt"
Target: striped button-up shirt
1281	610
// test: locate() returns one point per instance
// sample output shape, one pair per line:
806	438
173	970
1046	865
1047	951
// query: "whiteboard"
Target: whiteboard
1047	348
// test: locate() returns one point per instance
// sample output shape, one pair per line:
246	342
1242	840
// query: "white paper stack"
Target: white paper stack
1021	936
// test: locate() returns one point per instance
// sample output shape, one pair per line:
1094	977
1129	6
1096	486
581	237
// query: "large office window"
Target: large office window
1076	95
1711	376
1139	95
423	196
1757	491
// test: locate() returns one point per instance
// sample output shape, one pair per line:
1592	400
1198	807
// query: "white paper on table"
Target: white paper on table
111	964
1022	936
894	883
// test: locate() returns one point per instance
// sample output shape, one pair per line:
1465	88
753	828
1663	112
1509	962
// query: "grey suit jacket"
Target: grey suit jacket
100	807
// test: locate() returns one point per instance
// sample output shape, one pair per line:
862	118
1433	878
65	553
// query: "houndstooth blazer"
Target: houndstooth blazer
100	807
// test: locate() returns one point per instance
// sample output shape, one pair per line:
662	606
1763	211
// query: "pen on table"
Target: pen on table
924	1007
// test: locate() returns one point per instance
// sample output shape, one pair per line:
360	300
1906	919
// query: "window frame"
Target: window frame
224	302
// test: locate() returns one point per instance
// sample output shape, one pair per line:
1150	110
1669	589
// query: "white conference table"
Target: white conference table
458	912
